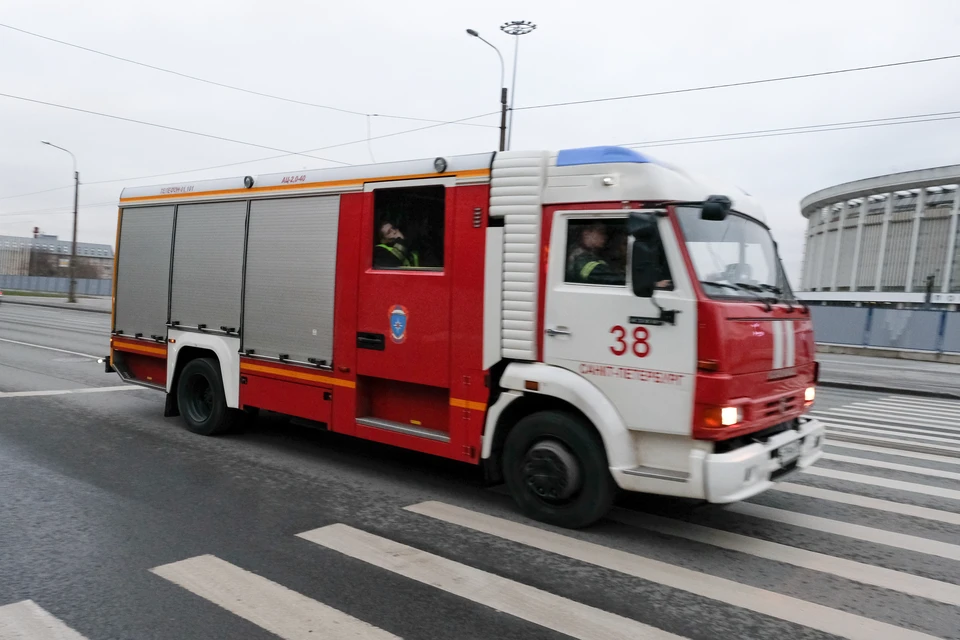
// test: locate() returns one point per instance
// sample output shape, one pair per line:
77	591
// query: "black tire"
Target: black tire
200	398
538	457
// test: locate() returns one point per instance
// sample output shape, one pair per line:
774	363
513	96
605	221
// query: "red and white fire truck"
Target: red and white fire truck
575	321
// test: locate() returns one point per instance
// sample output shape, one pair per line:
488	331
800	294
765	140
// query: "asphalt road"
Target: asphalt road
891	373
117	523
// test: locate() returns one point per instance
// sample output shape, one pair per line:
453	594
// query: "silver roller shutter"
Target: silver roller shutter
208	265
143	271
291	270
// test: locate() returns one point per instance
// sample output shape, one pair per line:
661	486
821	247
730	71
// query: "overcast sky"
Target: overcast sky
414	59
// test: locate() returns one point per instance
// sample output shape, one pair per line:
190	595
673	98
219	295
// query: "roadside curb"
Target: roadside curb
855	386
7	300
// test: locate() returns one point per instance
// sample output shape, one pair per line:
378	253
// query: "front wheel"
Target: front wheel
200	398
556	469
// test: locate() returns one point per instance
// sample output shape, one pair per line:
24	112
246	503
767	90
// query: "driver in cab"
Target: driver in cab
590	261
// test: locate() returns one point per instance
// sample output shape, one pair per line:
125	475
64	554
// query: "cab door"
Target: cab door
403	308
597	327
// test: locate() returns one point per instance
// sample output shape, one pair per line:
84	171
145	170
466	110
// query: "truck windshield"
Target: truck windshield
734	257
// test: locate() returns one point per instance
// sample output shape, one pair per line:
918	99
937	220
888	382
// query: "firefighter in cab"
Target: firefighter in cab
392	252
589	261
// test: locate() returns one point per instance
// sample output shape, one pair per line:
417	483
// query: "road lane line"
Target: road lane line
26	620
847	530
901	453
902	432
40	346
807	614
882	416
948	404
916	411
887	483
522	601
271	606
855	500
64	392
893	466
905	443
841	567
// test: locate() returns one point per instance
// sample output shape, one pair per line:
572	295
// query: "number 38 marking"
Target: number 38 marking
640	347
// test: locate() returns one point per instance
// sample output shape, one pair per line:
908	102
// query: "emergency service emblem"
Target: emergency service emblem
398	323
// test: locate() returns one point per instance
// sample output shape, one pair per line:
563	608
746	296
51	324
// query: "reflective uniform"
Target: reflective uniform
391	256
587	267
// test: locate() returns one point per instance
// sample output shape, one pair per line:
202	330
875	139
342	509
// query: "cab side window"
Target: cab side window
597	252
408	228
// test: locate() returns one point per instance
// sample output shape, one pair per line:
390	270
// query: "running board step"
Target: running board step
659	474
408	429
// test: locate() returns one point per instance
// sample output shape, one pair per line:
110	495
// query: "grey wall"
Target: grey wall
909	329
56	285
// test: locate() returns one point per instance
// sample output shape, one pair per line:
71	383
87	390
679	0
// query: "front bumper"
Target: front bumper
749	470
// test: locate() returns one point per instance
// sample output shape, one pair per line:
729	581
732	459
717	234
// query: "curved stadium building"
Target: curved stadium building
888	239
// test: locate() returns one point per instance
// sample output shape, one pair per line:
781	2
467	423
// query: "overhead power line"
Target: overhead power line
229	86
745	83
168	128
56	210
284	155
787	131
35	193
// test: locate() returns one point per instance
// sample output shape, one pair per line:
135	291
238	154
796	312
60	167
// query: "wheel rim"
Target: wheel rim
551	472
199	405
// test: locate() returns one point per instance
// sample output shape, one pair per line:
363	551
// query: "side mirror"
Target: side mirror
715	208
646	250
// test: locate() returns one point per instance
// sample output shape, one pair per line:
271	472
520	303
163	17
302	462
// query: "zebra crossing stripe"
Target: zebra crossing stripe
891	421
528	603
26	620
900	453
849	569
856	531
887	483
855	500
893	466
808	614
279	610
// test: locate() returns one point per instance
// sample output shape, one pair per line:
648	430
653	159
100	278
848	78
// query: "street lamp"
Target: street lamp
72	296
516	29
503	90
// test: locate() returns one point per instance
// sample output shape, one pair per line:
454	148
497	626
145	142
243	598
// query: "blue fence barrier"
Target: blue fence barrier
43	284
907	329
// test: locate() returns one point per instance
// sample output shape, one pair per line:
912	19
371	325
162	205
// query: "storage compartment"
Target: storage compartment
290	398
403	403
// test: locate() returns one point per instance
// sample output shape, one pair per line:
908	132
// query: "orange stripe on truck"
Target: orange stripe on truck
306	186
136	347
468	404
296	375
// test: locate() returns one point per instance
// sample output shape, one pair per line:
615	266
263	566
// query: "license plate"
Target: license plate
789	452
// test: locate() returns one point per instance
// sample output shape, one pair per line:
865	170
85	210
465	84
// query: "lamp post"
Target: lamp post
503	90
72	296
516	29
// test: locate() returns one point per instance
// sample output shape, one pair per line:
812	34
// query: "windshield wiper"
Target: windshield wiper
779	293
751	289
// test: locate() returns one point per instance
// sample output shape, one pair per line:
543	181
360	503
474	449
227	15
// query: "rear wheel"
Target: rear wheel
556	470
200	398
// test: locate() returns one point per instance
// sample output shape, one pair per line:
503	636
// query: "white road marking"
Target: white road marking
882	417
908	409
853	499
808	614
271	606
893	466
64	392
925	445
528	603
901	453
40	346
887	483
859	365
947	404
903	432
849	569
856	531
26	620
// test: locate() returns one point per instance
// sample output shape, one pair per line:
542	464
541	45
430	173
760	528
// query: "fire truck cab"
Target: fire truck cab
577	322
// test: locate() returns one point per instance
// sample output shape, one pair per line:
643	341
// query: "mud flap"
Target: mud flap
170	407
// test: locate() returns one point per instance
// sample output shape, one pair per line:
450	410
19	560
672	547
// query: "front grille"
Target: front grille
780	406
723	446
